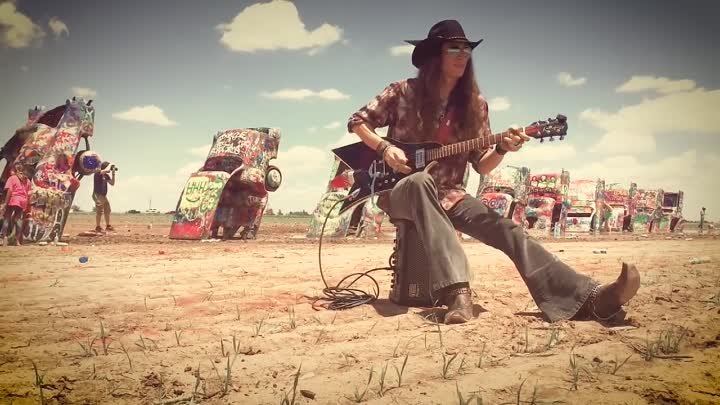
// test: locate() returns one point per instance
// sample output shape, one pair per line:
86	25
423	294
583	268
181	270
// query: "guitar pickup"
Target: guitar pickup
419	158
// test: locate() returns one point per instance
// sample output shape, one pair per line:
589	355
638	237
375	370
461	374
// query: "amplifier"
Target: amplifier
410	284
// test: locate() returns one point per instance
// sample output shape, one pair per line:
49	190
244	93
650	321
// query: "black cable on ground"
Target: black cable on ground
342	296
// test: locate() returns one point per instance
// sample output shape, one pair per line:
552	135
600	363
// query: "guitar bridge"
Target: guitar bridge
419	158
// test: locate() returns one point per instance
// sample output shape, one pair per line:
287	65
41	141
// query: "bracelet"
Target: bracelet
499	150
382	148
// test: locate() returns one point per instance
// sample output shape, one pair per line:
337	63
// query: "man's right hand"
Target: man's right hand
395	158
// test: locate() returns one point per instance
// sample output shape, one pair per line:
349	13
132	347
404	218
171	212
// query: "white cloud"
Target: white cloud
402	50
84	92
24	68
312	130
200	151
333	125
499	104
17	29
301	94
148	114
58	27
636	126
567	80
662	85
272	26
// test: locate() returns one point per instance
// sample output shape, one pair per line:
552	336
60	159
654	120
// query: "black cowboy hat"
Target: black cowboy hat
446	30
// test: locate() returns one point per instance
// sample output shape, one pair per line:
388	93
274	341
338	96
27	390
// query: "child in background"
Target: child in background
17	196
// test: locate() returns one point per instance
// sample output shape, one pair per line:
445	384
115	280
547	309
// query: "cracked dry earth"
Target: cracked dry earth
147	320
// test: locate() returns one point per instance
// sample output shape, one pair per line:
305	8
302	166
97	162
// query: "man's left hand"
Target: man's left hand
514	140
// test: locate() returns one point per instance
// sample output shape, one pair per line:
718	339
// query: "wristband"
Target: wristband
384	145
499	150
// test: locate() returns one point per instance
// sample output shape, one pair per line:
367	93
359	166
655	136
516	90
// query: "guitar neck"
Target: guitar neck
469	145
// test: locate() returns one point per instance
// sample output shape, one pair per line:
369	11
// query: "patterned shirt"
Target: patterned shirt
392	108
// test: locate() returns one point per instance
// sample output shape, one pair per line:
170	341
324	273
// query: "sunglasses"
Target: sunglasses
457	50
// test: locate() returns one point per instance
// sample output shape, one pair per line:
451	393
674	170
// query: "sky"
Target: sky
637	80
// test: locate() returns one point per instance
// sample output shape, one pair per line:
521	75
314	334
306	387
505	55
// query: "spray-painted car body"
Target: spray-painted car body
621	199
46	147
506	192
546	212
672	207
648	211
231	188
581	194
365	220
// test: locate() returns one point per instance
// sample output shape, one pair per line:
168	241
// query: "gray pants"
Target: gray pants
557	289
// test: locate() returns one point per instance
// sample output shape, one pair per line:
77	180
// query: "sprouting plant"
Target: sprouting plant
291	315
39	382
401	370
122	347
617	366
291	400
447	362
382	379
360	396
480	358
103	339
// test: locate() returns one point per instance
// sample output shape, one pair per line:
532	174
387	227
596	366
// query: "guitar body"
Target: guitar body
367	166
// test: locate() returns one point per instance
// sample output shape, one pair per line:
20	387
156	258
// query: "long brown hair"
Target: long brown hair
464	99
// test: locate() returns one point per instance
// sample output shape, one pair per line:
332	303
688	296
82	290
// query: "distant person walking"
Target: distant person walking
100	189
702	219
17	197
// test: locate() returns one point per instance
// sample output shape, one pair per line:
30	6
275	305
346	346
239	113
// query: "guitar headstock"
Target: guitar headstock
553	127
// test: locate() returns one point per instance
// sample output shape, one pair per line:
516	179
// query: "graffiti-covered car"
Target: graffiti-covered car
620	199
505	191
581	194
648	210
365	220
546	212
672	207
46	148
230	191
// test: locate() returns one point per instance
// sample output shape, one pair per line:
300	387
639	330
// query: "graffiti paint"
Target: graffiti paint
648	210
337	225
46	147
581	195
231	189
505	191
546	212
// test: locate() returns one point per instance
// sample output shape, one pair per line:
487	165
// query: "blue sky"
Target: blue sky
638	81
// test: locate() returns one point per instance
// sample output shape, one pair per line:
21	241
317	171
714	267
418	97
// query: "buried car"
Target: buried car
230	191
46	147
581	194
364	220
546	212
506	192
672	207
620	199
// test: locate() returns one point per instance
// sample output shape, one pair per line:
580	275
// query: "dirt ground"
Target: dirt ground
150	320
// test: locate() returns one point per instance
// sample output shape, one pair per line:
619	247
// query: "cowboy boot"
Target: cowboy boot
459	302
606	301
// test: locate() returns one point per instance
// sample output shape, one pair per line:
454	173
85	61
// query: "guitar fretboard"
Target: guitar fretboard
467	146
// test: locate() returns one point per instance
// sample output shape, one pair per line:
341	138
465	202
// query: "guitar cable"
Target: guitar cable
345	297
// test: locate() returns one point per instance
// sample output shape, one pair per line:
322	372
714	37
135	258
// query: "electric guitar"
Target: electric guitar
372	175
